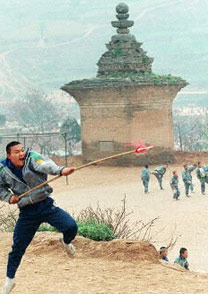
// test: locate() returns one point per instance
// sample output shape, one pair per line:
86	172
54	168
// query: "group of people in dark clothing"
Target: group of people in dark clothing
158	172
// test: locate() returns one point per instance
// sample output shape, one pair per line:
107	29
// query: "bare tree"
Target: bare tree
189	132
36	112
73	132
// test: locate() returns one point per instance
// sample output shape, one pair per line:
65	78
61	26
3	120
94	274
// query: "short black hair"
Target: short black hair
146	165
182	250
162	249
10	145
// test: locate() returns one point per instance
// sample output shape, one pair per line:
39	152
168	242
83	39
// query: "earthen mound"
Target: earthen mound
124	250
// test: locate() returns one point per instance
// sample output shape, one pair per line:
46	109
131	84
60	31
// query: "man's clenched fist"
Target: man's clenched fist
14	199
67	171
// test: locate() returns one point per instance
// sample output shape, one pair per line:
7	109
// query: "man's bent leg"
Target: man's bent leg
24	232
158	178
62	221
160	182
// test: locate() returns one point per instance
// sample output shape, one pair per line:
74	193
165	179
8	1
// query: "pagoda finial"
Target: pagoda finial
122	24
124	54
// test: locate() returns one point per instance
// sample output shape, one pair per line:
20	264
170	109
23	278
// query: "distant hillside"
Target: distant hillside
64	39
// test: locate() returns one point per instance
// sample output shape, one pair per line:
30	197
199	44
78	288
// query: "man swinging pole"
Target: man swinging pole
20	171
23	181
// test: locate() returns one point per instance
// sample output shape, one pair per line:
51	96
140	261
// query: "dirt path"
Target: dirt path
47	269
186	219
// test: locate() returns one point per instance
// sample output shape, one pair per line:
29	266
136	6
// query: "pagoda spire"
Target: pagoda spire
122	24
124	52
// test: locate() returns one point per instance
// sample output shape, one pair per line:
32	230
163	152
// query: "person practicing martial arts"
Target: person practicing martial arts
19	172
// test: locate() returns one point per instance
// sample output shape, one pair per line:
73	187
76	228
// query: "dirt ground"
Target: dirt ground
125	267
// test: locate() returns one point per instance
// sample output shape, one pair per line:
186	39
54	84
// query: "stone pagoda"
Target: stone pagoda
126	103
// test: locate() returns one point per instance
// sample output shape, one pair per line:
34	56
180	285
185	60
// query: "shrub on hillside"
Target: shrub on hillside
88	229
8	218
95	231
118	220
96	223
46	228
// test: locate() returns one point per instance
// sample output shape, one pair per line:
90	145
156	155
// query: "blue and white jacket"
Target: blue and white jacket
33	173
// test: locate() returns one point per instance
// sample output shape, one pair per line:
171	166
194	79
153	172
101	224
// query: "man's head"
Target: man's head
183	252
199	164
175	173
163	251
185	166
146	166
16	153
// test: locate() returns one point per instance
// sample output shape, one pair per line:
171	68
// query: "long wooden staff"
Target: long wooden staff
137	150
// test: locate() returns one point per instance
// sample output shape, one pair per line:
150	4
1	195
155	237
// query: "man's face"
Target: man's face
17	155
164	253
185	254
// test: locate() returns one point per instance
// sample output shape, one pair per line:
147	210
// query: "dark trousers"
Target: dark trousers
187	186
159	178
176	192
202	187
146	185
191	185
29	220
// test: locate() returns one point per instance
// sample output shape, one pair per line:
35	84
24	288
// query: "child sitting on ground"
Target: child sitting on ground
164	253
182	259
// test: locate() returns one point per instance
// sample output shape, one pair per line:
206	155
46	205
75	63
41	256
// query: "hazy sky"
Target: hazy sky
74	34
